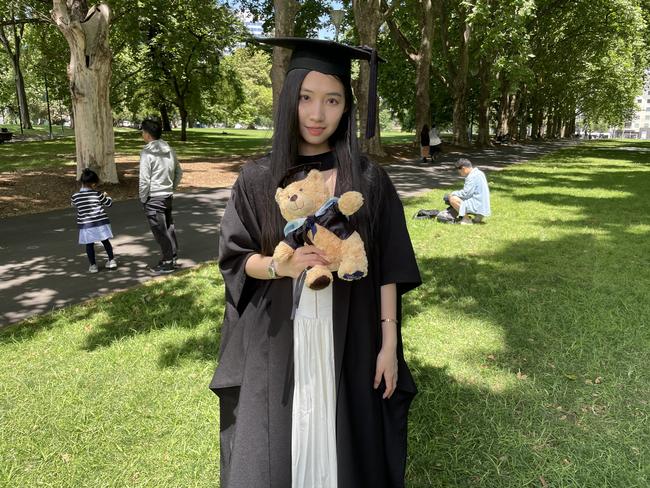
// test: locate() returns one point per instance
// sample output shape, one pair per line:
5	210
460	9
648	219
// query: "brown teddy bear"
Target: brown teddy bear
316	219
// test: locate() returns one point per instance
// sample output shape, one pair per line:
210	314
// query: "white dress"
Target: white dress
313	421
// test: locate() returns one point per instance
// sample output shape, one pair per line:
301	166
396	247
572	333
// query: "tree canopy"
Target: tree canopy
523	67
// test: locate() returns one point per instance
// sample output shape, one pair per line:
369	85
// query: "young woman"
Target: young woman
321	400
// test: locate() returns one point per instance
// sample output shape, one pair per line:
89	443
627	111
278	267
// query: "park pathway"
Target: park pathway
42	267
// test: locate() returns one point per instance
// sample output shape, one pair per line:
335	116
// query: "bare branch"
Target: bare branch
401	40
15	22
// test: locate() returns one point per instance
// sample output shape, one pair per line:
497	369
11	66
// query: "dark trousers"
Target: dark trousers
90	251
159	215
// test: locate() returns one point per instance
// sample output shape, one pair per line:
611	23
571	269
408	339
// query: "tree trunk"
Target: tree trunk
89	72
164	117
421	60
368	19
71	112
523	115
502	116
513	110
549	122
14	54
22	96
423	68
523	124
183	113
537	115
484	104
285	14
460	85
571	124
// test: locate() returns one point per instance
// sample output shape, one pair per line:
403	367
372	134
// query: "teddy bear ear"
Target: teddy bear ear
314	174
278	195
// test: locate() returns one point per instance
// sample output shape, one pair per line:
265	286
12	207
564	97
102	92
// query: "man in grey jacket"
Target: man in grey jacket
160	174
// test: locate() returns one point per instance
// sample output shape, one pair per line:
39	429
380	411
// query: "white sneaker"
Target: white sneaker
93	269
111	264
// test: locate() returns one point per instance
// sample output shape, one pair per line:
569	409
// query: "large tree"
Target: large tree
14	17
89	73
418	54
186	42
285	18
367	18
284	14
249	100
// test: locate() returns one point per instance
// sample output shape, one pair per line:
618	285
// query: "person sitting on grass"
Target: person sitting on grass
474	198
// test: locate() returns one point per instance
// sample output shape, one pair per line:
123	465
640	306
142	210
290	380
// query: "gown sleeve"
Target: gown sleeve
396	256
239	238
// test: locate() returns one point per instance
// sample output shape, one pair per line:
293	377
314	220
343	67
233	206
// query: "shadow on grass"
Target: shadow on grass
568	316
167	303
179	302
572	312
44	268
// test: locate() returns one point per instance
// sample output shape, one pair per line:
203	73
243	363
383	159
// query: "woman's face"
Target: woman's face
322	104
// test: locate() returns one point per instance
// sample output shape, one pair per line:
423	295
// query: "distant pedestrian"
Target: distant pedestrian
435	143
92	220
424	143
160	174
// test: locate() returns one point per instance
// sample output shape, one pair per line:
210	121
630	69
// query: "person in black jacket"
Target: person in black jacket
424	143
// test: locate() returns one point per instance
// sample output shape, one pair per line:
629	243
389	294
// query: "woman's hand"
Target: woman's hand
387	367
302	258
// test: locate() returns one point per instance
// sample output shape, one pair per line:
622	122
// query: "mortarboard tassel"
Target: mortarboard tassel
372	93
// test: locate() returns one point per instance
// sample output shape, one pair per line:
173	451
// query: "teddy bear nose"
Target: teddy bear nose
293	198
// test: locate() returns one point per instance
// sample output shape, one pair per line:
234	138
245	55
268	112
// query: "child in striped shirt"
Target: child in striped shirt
92	220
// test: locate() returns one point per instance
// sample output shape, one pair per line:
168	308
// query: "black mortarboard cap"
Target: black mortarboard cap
332	58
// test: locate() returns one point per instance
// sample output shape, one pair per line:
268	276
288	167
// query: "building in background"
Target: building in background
255	28
639	126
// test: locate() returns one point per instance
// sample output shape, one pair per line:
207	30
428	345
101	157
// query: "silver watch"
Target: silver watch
273	274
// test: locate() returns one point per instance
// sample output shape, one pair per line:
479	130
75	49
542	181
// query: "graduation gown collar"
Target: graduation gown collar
322	162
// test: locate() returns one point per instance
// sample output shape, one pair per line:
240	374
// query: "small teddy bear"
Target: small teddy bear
316	219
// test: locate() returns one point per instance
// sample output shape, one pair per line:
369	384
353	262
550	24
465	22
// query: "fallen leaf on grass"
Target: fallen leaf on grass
543	482
66	457
521	376
588	382
491	357
598	380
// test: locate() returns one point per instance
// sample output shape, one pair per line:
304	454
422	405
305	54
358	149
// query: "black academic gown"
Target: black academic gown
254	377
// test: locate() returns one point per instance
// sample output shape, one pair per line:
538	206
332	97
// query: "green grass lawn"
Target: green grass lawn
39	130
201	143
529	341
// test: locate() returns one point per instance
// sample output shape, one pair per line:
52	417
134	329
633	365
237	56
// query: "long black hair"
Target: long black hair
354	171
